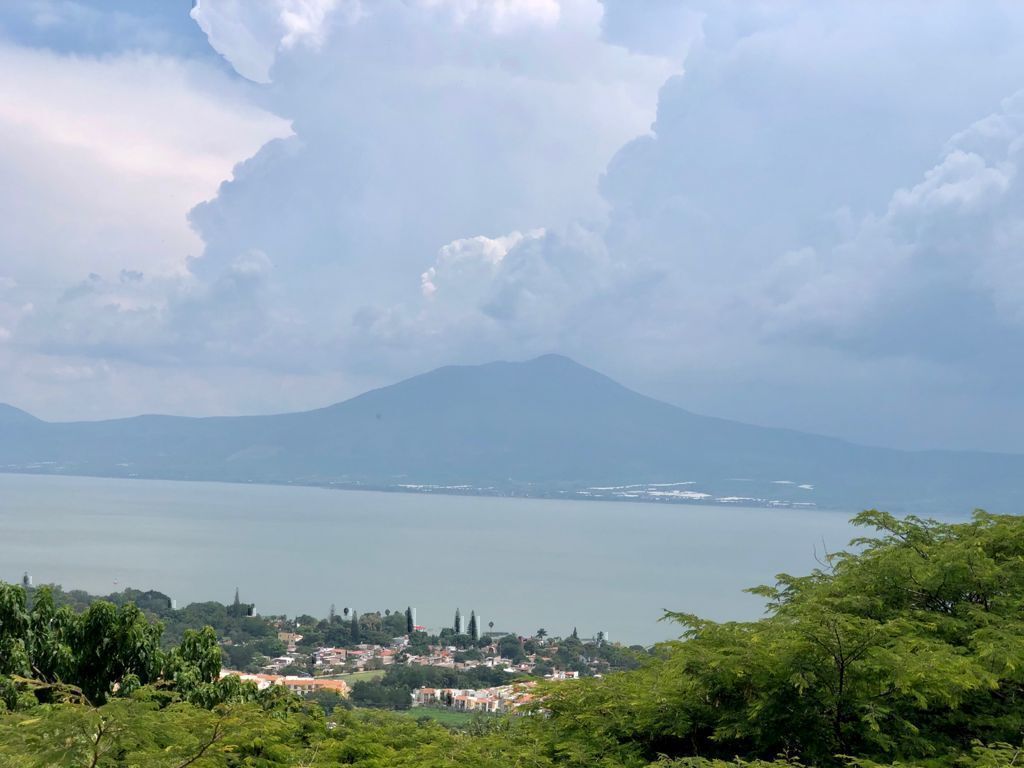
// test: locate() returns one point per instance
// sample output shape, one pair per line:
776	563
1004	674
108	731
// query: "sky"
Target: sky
785	212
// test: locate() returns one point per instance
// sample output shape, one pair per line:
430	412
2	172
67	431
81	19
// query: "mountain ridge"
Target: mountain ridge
543	427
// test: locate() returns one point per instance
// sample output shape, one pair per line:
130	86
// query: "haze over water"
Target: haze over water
521	563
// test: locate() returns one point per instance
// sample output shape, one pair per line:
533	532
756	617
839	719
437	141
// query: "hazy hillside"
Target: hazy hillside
544	426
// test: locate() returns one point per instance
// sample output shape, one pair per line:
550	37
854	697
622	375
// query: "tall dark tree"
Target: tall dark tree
472	629
409	625
355	627
458	622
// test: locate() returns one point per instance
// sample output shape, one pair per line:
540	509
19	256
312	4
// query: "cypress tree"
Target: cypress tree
355	627
409	626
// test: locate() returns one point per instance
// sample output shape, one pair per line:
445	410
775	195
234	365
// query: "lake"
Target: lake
521	563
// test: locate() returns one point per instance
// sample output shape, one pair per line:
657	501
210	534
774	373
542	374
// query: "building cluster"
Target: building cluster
359	659
500	698
329	661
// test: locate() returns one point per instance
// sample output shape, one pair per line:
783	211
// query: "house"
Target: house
561	674
303	686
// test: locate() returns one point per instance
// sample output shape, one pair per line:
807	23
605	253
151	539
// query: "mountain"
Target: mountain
548	426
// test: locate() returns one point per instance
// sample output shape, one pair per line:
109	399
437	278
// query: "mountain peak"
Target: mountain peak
544	426
553	358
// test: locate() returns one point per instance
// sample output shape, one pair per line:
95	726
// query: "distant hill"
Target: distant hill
548	426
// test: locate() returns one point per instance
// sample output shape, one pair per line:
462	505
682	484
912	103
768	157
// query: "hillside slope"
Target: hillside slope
546	426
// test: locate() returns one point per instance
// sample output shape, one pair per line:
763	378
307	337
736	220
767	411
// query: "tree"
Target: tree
409	625
14	631
541	633
911	647
511	647
472	629
112	644
354	632
457	626
194	664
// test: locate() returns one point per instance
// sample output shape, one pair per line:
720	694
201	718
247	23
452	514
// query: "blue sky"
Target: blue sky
800	214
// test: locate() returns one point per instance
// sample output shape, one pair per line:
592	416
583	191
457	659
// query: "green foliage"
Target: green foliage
131	732
97	651
511	647
910	649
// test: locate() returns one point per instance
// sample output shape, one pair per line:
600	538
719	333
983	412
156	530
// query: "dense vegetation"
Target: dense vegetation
245	638
908	650
392	691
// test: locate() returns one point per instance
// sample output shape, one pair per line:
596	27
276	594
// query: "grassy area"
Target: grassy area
443	716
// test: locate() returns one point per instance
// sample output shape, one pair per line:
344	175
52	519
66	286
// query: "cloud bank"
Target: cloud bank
788	212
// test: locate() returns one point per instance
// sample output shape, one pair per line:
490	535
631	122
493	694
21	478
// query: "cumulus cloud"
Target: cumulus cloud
428	122
784	229
813	223
249	35
471	262
103	158
499	15
939	273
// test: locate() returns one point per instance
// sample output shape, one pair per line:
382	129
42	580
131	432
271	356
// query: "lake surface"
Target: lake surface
521	563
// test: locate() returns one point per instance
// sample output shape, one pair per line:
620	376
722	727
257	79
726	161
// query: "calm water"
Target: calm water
520	563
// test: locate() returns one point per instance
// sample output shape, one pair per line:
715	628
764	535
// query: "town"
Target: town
460	649
381	659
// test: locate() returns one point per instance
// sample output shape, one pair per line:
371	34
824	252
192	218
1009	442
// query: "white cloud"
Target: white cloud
102	158
425	124
499	15
947	248
471	259
250	35
777	237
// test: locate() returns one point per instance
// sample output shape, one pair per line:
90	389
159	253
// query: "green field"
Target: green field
355	677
